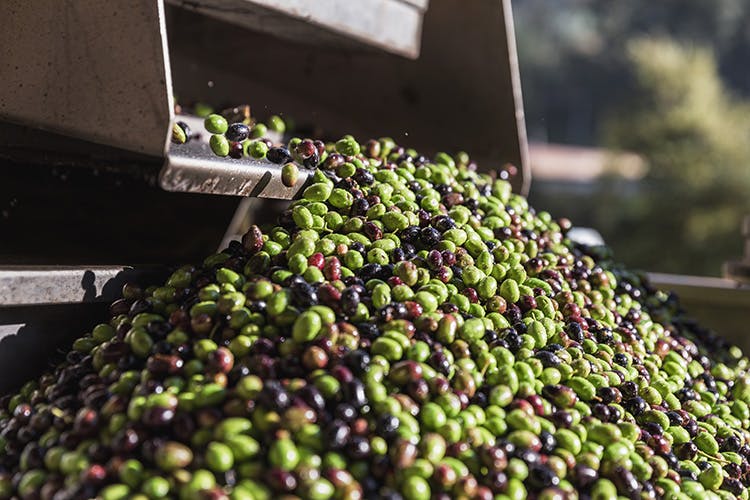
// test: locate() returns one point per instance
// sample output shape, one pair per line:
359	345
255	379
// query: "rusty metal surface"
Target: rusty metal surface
193	168
91	69
41	285
390	25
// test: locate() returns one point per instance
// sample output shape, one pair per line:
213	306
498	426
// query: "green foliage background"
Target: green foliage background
668	80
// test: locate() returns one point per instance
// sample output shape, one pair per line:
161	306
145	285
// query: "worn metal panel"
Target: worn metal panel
99	70
91	69
391	25
41	285
462	93
193	168
44	308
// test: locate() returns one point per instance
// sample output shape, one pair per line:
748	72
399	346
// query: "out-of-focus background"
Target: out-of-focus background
638	114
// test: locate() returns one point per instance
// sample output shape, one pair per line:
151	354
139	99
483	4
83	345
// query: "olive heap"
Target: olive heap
410	329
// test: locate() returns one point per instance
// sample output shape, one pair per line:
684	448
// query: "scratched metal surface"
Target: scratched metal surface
193	168
101	71
391	25
462	93
40	285
92	69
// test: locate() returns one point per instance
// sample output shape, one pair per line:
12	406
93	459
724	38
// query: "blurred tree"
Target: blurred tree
695	137
629	75
574	61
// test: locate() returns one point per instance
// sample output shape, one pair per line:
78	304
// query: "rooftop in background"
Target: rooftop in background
582	164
